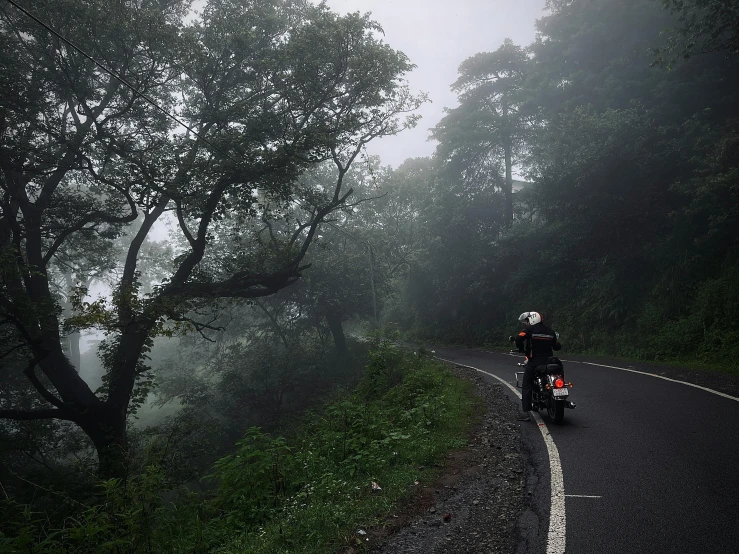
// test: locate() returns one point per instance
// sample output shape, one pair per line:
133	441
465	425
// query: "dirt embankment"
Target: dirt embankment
481	501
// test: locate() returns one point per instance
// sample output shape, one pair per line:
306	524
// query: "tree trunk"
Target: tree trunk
508	188
107	430
508	191
372	283
73	340
74	351
103	423
337	331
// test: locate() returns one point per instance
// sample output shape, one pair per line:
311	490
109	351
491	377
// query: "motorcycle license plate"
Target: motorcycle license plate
560	392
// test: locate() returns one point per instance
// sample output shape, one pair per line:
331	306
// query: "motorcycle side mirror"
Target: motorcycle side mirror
511	338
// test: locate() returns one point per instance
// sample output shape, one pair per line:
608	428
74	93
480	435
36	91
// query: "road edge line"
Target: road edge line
556	537
712	391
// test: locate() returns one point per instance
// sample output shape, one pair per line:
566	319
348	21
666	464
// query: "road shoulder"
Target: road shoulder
482	499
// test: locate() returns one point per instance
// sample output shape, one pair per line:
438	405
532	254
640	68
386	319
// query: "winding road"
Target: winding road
648	465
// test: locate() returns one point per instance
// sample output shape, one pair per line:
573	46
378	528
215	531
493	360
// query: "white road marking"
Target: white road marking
556	538
734	398
581	496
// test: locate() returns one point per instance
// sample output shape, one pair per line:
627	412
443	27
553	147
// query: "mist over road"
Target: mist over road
649	465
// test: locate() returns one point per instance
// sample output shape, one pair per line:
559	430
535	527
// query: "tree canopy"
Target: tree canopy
262	91
191	194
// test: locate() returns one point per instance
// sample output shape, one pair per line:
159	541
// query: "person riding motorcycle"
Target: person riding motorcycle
538	342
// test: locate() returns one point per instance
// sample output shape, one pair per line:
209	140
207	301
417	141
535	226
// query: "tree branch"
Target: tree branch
199	326
301	227
129	269
320	215
29	415
273	240
183	224
244	284
98	216
358	202
275	323
30	372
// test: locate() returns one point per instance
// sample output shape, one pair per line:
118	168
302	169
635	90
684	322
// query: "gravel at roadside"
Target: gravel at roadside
480	502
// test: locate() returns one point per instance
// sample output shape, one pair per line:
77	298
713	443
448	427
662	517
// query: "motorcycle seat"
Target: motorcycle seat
548	368
553	365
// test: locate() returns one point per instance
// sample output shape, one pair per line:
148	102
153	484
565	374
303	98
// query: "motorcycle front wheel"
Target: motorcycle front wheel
555	410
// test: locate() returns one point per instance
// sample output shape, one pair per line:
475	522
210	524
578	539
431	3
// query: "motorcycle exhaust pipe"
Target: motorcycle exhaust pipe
570	405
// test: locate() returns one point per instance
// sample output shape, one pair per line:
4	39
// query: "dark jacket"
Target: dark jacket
538	342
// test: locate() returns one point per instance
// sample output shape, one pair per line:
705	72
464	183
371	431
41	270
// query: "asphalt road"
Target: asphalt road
661	457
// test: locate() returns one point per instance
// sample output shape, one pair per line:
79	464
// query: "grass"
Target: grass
308	493
383	434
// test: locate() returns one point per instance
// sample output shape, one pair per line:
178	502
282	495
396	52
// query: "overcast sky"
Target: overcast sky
437	35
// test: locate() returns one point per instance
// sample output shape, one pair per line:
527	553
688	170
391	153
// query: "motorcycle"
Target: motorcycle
550	391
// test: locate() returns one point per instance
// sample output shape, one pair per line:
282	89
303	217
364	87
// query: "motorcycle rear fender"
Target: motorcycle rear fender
553	377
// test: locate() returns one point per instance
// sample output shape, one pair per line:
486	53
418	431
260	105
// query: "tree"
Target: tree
87	257
492	125
704	26
634	172
346	278
267	88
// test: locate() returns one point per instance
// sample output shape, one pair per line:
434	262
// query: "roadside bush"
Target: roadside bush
342	466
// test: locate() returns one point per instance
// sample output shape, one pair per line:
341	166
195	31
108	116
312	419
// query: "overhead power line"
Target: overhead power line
119	78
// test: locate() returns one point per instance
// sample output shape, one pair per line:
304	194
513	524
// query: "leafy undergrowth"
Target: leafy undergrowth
314	493
343	469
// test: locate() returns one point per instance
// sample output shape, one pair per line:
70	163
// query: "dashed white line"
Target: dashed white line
556	538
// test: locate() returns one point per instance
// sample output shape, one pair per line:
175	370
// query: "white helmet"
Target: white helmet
530	318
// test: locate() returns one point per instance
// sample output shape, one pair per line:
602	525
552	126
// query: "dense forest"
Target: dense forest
622	119
196	249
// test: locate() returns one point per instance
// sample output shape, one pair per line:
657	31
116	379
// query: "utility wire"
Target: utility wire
121	79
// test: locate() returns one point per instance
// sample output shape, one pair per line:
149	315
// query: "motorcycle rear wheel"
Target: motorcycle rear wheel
555	410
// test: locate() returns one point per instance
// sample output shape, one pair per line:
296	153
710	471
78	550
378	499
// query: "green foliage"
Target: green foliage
267	90
385	370
625	238
322	485
250	377
124	518
704	26
305	493
707	331
253	481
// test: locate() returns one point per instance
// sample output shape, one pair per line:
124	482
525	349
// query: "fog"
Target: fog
263	272
437	35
